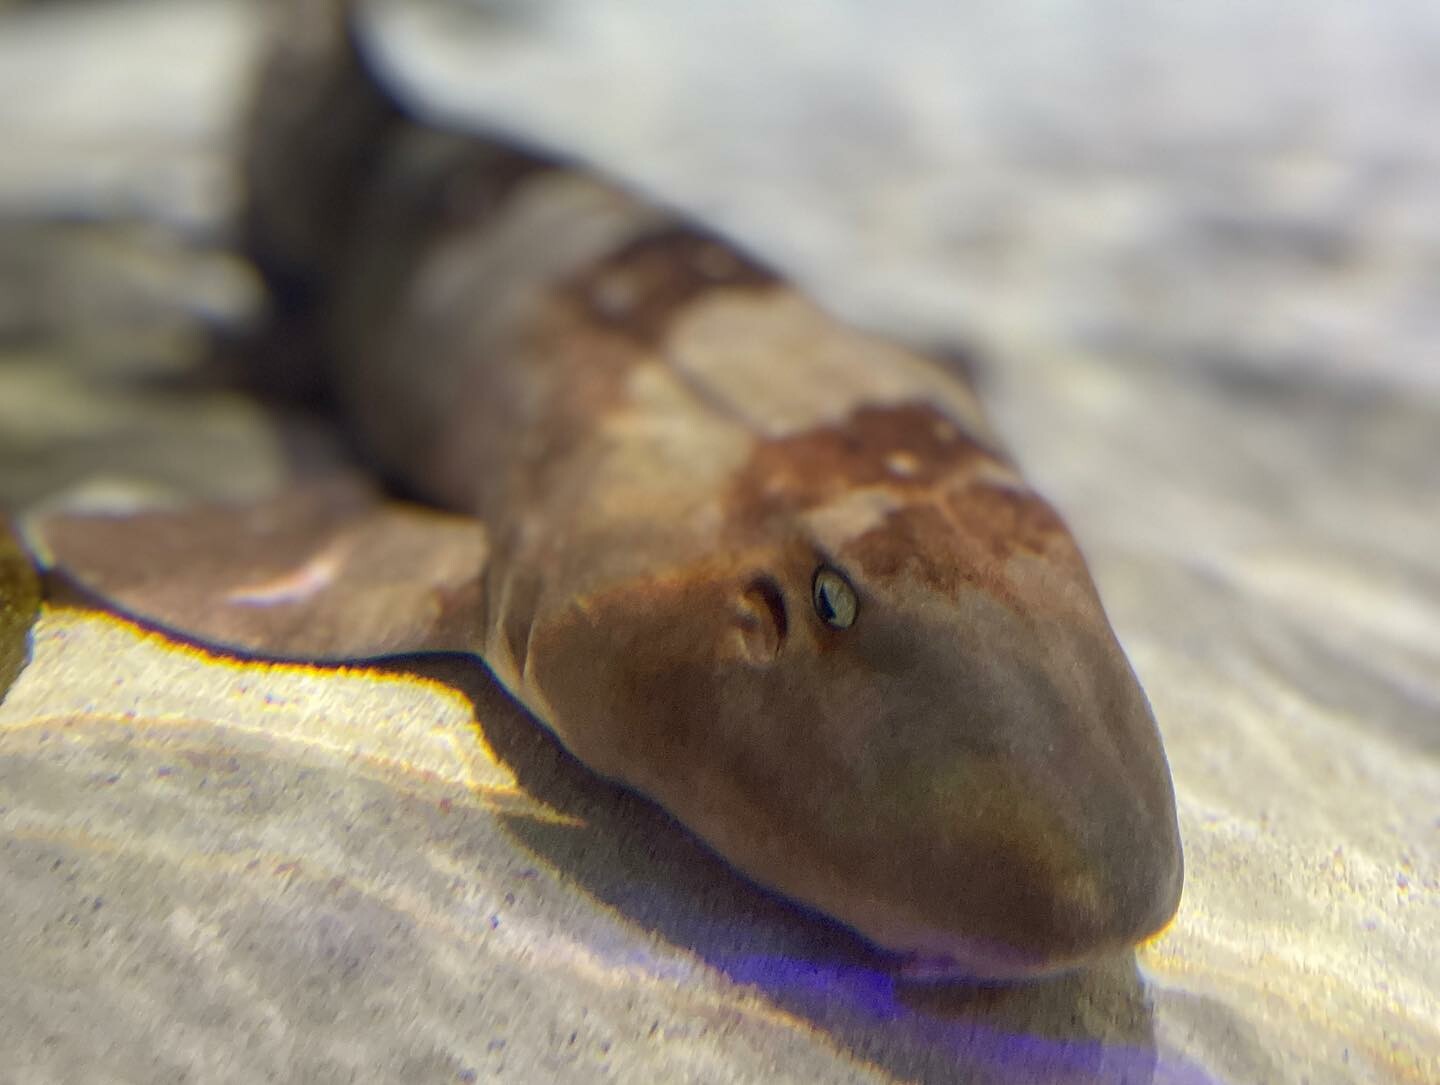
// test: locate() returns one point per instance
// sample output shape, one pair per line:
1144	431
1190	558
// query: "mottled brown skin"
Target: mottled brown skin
665	442
19	606
969	772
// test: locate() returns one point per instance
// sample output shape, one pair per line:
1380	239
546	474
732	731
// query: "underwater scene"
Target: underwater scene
708	541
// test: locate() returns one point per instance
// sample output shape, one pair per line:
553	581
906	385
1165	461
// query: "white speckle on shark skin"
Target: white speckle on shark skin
994	475
902	464
848	517
310	579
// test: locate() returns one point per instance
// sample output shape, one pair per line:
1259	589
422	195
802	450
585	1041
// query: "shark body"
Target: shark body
774	572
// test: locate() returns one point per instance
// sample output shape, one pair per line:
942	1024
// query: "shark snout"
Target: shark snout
1043	876
1096	890
1049	804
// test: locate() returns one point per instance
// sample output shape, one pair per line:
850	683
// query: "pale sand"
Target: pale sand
213	870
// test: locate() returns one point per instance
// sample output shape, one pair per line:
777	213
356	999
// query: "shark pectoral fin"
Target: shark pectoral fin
325	572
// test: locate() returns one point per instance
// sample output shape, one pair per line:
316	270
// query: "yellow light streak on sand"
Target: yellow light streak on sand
391	725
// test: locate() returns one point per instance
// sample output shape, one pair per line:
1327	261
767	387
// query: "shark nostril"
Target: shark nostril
763	622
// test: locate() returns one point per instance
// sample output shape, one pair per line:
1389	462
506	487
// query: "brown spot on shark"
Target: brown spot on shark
983	539
642	286
817	466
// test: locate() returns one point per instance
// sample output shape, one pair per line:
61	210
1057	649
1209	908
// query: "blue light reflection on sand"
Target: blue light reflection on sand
828	994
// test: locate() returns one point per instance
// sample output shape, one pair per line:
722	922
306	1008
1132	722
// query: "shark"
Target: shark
773	571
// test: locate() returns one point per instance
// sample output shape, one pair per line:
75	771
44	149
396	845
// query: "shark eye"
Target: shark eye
835	599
